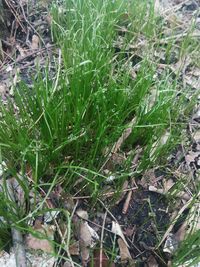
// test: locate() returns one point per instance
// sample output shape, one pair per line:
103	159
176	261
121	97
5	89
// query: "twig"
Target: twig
127	202
18	243
109	194
108	211
101	241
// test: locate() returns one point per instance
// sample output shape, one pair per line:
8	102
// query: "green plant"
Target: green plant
61	126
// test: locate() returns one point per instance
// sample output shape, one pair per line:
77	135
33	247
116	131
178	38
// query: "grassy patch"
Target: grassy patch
73	117
60	128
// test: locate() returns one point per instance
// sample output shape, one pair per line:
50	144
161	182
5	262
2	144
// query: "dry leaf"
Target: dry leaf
171	244
124	251
116	229
190	157
7	259
9	68
180	234
161	142
192	78
118	158
130	231
149	178
74	249
123	193
87	240
3	88
123	137
104	260
33	242
151	262
21	51
35	42
152	99
158	7
3	167
50	215
67	264
168	184
196	136
42	260
82	214
110	178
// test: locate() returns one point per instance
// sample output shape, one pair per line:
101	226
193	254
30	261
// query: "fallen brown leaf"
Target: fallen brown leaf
74	249
82	214
105	260
3	88
161	142
116	229
196	136
87	240
190	157
35	42
67	264
21	50
180	234
151	262
168	184
33	242
124	251
171	244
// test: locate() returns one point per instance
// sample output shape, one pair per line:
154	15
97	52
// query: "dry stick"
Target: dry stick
19	249
123	137
108	211
128	198
109	194
101	241
127	202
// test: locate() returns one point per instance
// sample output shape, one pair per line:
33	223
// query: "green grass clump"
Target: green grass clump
61	126
71	118
57	131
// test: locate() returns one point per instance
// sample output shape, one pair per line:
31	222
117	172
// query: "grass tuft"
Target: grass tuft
60	128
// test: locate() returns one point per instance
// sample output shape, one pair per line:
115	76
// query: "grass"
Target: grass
188	253
60	128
